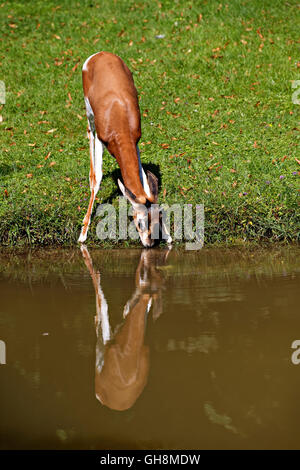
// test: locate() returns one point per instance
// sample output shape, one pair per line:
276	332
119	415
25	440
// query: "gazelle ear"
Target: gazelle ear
122	188
130	196
153	185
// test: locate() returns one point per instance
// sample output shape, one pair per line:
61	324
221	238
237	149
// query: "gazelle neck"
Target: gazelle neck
126	154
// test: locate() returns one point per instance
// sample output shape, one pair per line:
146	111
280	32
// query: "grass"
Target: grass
218	123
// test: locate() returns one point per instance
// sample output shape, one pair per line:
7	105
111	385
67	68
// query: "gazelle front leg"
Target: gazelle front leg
96	152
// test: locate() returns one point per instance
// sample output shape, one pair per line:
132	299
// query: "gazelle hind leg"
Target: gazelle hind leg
103	330
96	152
86	220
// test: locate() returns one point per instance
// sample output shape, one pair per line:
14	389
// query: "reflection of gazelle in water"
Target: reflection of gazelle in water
122	359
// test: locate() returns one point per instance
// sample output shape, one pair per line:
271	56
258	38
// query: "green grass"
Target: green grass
216	90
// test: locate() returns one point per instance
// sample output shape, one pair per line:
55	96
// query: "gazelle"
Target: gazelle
114	122
122	358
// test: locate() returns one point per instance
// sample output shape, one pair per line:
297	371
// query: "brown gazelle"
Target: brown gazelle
122	357
114	122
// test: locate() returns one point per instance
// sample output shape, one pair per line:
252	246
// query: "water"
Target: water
157	349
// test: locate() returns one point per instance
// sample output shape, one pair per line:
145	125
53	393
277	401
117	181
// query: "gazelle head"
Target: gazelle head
146	213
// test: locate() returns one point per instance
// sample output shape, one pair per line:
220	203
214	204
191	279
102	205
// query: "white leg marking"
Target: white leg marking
102	315
96	151
92	155
90	114
143	176
99	147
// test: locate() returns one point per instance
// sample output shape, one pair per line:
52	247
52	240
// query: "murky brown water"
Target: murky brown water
149	349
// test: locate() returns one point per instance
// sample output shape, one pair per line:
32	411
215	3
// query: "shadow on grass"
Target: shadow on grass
116	174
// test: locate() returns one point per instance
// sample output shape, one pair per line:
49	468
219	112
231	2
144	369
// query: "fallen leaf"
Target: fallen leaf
259	33
75	67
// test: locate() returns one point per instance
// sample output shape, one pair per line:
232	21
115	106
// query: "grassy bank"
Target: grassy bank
218	123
